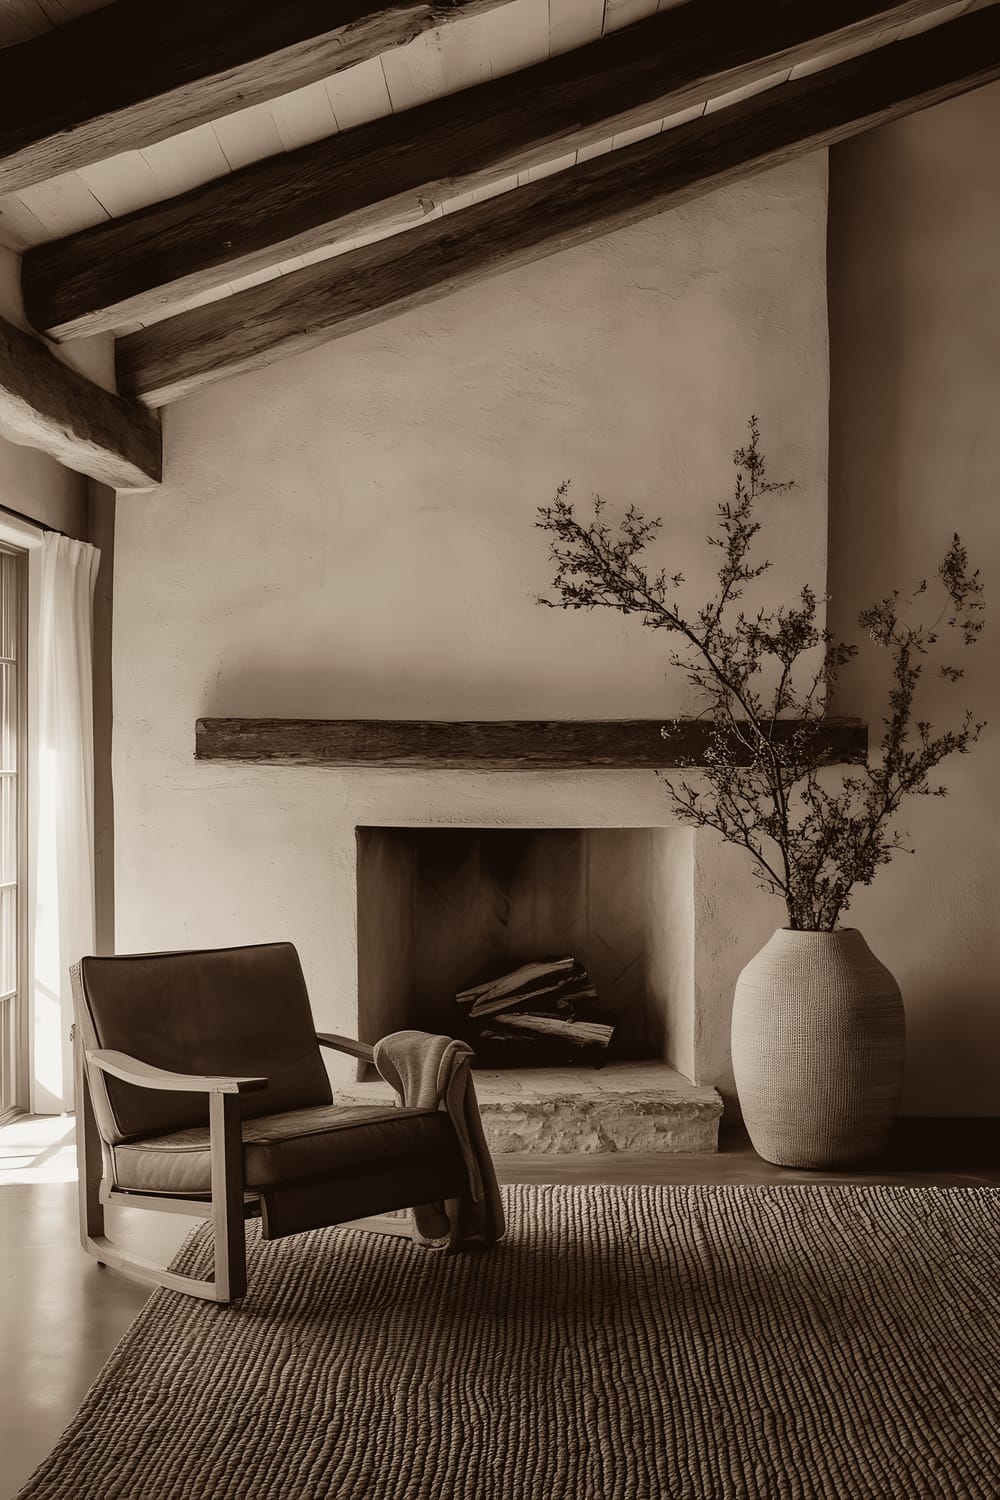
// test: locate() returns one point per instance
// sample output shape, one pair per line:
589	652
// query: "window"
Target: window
12	824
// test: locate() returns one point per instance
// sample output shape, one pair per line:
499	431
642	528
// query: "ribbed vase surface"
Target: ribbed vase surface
818	1045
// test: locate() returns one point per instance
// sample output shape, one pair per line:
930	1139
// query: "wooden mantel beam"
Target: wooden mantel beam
389	174
365	286
488	745
46	404
137	71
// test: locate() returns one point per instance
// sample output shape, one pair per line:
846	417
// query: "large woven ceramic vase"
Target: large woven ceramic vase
818	1039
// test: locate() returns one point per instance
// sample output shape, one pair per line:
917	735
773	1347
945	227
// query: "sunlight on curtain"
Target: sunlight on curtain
64	853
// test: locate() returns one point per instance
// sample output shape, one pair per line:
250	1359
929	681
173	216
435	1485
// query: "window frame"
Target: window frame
24	540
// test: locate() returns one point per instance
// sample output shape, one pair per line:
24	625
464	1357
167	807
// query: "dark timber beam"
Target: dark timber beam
139	70
378	281
490	745
389	174
45	404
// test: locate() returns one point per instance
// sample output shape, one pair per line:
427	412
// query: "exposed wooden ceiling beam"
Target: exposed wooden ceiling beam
387	175
46	404
366	286
132	73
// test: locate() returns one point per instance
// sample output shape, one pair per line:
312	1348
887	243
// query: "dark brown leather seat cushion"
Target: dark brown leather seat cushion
300	1143
242	1011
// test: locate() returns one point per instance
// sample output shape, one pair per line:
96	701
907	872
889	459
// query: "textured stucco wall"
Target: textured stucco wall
349	534
35	486
915	454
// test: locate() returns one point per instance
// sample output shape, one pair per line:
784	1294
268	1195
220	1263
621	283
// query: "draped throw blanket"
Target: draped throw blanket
430	1072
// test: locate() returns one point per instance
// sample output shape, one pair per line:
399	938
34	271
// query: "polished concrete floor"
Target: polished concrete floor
61	1314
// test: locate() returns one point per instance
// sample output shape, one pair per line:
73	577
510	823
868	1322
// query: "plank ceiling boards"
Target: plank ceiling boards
151	71
510	36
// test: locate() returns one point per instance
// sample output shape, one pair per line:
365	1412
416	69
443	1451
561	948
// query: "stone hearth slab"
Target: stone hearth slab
623	1107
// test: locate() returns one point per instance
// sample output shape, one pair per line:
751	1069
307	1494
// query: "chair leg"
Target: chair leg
89	1152
228	1225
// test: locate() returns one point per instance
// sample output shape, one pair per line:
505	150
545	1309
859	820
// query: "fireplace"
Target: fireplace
440	909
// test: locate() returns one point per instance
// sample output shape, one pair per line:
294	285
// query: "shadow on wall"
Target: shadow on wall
867	321
914	455
463	687
294	691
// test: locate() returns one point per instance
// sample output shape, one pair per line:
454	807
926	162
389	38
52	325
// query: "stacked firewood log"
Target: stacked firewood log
533	1015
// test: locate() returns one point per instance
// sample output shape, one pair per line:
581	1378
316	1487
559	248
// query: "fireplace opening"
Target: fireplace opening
443	911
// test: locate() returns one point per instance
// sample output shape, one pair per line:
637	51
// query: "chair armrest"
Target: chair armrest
346	1044
144	1076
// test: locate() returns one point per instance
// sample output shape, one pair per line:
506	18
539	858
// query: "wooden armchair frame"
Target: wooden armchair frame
227	1206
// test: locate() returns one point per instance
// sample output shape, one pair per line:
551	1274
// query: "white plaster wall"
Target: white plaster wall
349	534
915	454
35	486
670	967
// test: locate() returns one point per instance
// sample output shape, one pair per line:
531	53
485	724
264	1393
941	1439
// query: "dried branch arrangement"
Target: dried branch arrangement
813	832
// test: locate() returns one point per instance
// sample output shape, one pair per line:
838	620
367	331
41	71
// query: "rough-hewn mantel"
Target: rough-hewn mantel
486	745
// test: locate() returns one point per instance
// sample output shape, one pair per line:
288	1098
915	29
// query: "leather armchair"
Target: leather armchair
201	1090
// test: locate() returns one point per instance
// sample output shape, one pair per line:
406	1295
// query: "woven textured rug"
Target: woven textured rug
624	1343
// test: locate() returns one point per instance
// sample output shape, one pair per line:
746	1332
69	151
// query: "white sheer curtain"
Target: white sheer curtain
63	861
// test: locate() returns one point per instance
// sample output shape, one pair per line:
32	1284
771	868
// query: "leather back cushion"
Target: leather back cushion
242	1011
